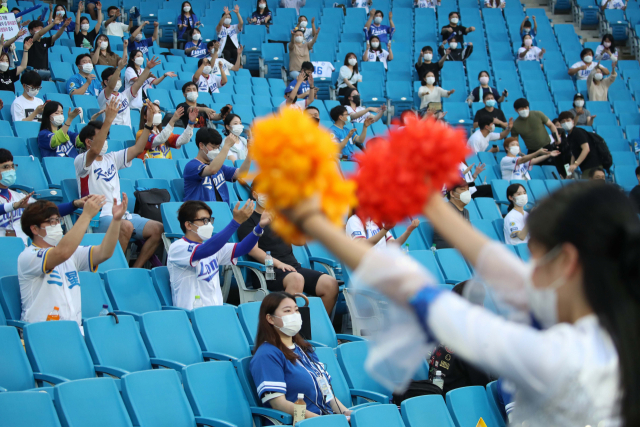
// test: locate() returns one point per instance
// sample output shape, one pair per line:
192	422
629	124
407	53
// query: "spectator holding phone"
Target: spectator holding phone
483	80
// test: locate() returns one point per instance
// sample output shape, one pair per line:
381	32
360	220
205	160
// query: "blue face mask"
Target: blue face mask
8	178
491	103
348	119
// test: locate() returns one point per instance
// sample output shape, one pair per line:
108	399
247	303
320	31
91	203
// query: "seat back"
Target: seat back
95	402
494	401
169	212
10	249
351	357
30	173
336	420
386	415
454	267
117	260
428	260
321	328
226	337
116	344
10	297
339	383
15	371
249	315
131	289
162	284
27	409
156	398
59	168
57	348
227	402
246	380
168	335
93	295
468	404
426	411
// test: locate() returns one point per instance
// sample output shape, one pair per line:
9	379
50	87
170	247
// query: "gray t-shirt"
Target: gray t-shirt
580	120
438	240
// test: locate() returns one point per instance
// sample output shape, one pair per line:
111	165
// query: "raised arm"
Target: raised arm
145	75
13	39
100	17
236	9
141	142
113	80
25	57
553	129
37	36
215	165
238	63
391	24
61	31
104	250
110	113
367	24
361	138
78	15
314	39
156	27
403	238
221	22
138	30
346	139
95	55
198	72
505	132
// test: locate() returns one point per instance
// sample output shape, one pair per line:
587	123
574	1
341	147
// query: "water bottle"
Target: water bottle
54	315
268	263
104	311
438	381
197	303
636	146
433	248
299	409
405	248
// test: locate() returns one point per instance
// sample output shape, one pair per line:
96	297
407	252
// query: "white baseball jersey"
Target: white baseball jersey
190	278
374	55
322	69
226	66
583	74
513	223
225	32
511	170
124	113
101	177
360	119
11	220
210	83
41	290
356	230
533	54
428	3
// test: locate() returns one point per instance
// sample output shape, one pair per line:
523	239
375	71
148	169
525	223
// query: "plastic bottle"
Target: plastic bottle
104	311
405	248
438	381
299	408
54	315
197	303
268	263
433	248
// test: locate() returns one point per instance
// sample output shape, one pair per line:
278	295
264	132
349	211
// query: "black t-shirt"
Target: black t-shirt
479	98
423	69
634	195
455	372
202	116
7	78
439	240
459	31
39	53
495	114
576	138
269	242
79	38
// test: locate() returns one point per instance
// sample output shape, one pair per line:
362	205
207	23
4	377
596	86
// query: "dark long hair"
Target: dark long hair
601	222
182	15
379	49
227	122
131	63
267	332
96	44
143	119
264	12
609	37
511	190
50	107
346	61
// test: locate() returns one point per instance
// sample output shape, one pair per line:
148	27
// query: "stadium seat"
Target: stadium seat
426	411
487	208
28	409
93	295
494	400
453	266
10	298
523	251
468	404
248	315
135	172
15	371
625	177
386	415
322	330
428	261
227	341
351	357
486	228
162	169
118	259
30	177
57	169
162	284
415	242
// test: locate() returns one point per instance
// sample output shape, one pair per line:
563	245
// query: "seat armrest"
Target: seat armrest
16	323
272	414
51	379
172	364
316	343
128	313
2	389
252	264
372	396
110	370
213	422
218	356
348	337
331	263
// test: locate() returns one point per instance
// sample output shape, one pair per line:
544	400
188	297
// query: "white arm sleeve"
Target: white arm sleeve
505	273
163	136
185	137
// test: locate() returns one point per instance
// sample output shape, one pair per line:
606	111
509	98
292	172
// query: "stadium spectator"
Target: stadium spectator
582	69
92	7
293	4
494	4
161	138
375	235
561	145
299	93
114	25
431	95
213	48
9	76
84	82
303	25
187	21
607	49
583	151
190	92
479	140
426	3
455	51
82	35
262	15
194	261
55	259
483	84
290	276
111	83
299	51
526	28
27	107
614	4
103	55
206	80
530	126
425	64
483	190
206	176
363	4
19	37
284	365
515	165
195	47
349	76
360	114
459	196
528	52
383	33
137	40
97	173
515	223
313	112
233	129
597	174
228	34
347	140
581	115
54	138
60	12
455	29
375	53
634	194
39	58
598	86
490	111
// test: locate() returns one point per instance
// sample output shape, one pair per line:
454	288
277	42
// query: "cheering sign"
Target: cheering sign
8	25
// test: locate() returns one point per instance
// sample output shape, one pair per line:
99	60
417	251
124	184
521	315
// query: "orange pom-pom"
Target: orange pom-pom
401	170
297	159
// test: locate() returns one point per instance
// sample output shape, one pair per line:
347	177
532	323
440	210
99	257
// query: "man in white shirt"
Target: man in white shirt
293	4
26	107
97	173
206	80
479	140
228	34
582	69
516	166
614	4
48	269
113	26
374	235
213	47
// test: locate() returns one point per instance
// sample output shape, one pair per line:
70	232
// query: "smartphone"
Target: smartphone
566	168
495	146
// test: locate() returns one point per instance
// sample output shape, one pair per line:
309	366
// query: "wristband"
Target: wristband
191	123
259	234
147	127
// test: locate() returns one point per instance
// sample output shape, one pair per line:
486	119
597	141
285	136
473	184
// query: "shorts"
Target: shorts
137	221
310	280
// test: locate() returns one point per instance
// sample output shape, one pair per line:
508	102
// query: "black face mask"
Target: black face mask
316	119
356	99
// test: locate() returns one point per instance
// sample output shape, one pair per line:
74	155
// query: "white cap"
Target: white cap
438	373
301	396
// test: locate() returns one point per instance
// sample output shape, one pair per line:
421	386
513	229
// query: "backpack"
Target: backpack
602	151
148	202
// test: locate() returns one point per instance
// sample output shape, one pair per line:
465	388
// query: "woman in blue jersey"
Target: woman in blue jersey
55	139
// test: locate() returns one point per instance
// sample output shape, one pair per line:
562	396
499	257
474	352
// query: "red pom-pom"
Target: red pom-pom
401	170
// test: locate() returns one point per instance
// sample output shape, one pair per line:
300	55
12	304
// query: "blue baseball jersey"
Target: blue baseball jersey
304	87
338	135
383	32
200	50
198	187
68	149
77	80
142	45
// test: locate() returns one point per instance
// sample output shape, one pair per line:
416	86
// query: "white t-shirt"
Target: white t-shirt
613	4
300	104
431	95
116	29
11	220
101	177
479	143
201	278
514	222
364	4
226	66
42	290
225	32
240	149
130	76
124	114
583	74
428	3
347	73
511	170
467	177
21	107
210	83
600	56
533	54
356	230
380	55
360	119
322	69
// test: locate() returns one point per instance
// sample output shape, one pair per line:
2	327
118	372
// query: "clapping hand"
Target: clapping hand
153	62
113	106
73	113
240	215
93	205
24	202
119	210
265	219
193	114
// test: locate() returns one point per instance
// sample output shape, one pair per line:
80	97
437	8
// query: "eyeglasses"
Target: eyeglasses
205	221
55	220
35	88
9	167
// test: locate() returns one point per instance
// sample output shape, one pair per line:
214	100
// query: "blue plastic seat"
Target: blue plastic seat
10	298
626	177
386	415
17	146
453	266
426	411
523	251
486	227
128	298
487	208
15	371
162	168
93	295
428	260
624	159
20	409
468	404
248	315
162	284
58	168
415	242
227	340
351	357
494	401
116	261
336	420
135	172
30	177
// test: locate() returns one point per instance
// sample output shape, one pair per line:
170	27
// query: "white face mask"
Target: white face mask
205	231
227	21
57	120
33	92
484	80
521	200
262	200
207	69
493	127
528	42
514	150
453	45
303	24
157	119
598	76
84	27
524	113
60	13
543	302
465	197
567	126
377	20
607	44
262	5
587	59
431	80
196	37
454	21
291	324
118	86
139	37
352	61
427	56
192	96
187	8
298	39
139	61
375	45
105	147
579	103
104	45
4	66
237	129
54	234
87	68
213	153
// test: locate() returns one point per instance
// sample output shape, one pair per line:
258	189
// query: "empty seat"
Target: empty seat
10	299
116	261
468	404
351	357
20	409
454	267
386	415
15	371
226	340
428	260
426	411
